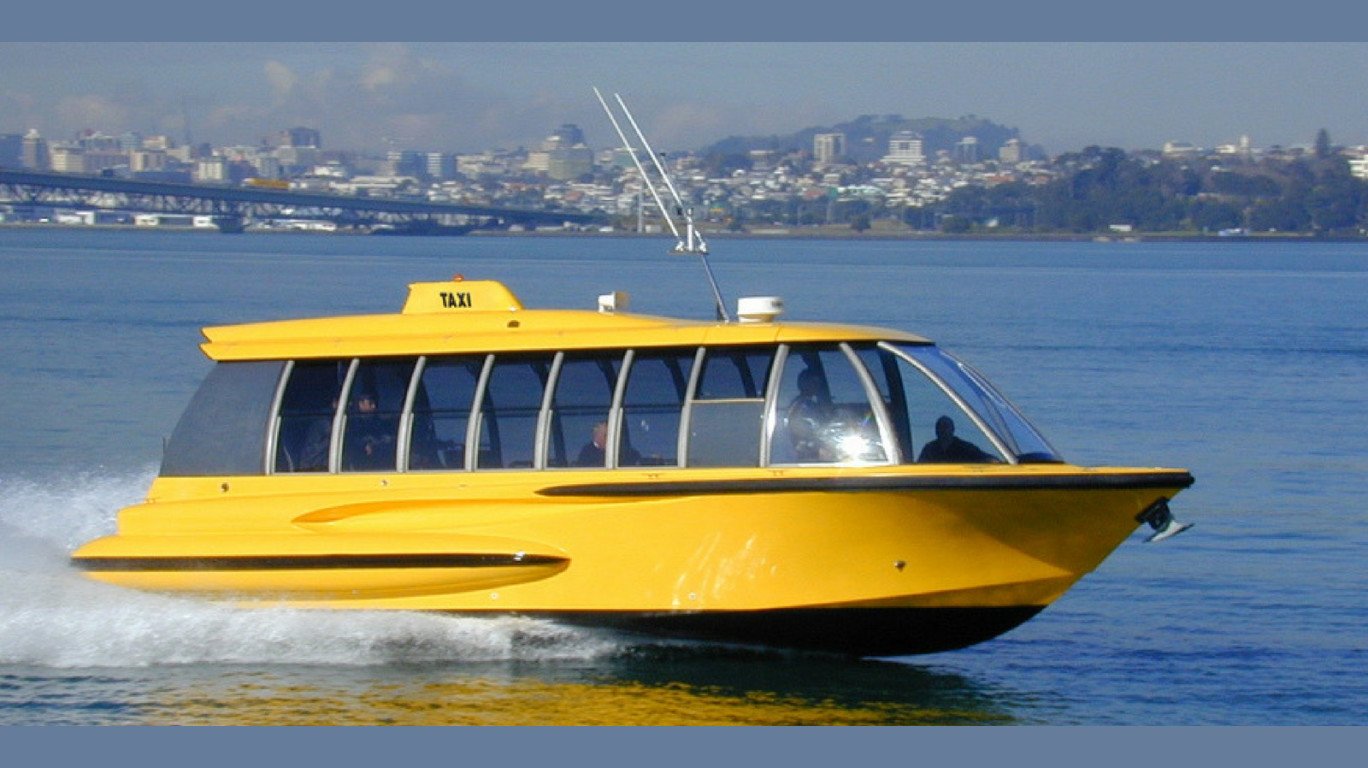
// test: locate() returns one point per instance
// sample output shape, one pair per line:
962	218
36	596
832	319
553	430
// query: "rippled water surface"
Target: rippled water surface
1247	364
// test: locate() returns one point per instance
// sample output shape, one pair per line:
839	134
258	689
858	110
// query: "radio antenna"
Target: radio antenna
693	241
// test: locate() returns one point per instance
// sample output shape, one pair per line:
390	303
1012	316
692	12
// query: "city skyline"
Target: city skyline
467	97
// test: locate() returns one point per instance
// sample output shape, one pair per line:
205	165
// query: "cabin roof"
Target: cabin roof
484	316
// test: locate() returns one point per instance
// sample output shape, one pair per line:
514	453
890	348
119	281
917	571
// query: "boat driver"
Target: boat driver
808	418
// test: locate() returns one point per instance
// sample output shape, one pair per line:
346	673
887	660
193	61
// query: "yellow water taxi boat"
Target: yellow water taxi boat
818	486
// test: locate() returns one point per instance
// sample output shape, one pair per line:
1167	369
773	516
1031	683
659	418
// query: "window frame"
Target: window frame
998	443
891	449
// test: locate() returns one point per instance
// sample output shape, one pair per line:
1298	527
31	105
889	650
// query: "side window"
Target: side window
509	411
651	407
374	403
931	426
727	413
823	411
223	430
578	434
307	409
734	373
441	412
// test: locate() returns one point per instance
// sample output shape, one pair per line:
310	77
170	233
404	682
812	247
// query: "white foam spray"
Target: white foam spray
52	616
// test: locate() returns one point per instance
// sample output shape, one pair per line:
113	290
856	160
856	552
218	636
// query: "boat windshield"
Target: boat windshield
977	395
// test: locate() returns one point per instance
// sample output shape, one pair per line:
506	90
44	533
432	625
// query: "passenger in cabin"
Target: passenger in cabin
949	449
592	454
370	437
809	416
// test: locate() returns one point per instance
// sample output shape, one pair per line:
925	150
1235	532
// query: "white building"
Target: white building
828	147
905	148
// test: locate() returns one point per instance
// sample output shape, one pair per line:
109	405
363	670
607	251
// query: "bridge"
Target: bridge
231	206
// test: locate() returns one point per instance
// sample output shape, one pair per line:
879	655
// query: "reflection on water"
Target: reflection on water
640	686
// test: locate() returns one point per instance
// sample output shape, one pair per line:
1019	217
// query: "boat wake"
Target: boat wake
51	616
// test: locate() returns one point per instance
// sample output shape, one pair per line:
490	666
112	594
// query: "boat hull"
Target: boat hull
866	561
847	631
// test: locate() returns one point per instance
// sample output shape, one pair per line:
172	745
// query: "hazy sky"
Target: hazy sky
470	96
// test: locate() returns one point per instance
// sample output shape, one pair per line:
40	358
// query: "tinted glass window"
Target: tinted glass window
223	430
651	406
441	412
508	415
579	411
824	412
992	408
727	414
374	404
307	408
734	372
918	405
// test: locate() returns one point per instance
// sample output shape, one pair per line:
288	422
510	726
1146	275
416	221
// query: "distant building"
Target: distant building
1010	152
906	148
828	147
297	159
1358	166
1179	149
268	167
211	170
147	161
966	150
563	155
403	162
34	152
158	142
762	159
567	163
568	135
1243	148
441	166
65	159
296	137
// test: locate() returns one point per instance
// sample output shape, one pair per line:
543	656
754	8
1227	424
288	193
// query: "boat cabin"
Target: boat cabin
579	390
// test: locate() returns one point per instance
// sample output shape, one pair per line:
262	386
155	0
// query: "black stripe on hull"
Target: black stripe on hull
848	631
309	562
1145	480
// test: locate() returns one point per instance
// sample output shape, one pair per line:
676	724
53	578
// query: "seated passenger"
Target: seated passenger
592	454
948	449
808	417
370	437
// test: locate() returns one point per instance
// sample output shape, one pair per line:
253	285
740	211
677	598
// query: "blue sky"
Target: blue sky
467	96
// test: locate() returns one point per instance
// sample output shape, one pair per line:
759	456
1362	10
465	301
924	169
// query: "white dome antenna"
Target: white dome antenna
759	309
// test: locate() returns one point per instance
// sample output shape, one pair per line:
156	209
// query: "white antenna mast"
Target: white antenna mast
694	242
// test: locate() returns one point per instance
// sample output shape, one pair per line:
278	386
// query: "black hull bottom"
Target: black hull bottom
848	631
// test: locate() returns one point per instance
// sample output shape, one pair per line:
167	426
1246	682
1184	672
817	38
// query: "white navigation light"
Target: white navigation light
616	301
759	309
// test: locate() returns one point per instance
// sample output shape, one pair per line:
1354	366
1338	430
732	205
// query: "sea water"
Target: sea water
1244	363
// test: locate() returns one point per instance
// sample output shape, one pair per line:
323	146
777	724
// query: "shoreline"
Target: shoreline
768	233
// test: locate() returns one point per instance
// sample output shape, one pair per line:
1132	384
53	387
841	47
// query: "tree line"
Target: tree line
1098	188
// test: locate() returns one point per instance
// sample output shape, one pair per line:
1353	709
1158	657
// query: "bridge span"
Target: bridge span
231	207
